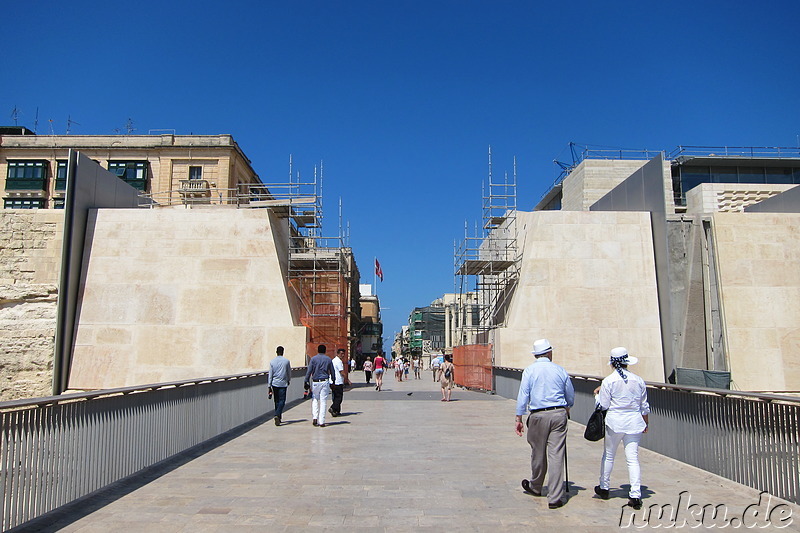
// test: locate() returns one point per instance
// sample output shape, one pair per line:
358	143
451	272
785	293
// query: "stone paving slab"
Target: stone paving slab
401	460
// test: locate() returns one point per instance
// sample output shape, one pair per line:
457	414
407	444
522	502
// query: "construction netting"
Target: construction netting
323	310
473	364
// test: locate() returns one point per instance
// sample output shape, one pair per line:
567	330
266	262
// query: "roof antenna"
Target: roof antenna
70	122
15	114
36	122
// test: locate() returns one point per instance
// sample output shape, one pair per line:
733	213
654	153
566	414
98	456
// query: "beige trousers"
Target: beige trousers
547	435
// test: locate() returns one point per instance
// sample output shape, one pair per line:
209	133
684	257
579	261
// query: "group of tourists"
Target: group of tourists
546	395
325	378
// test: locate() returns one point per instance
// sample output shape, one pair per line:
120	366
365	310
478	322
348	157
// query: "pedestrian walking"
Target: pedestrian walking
436	362
319	375
280	374
337	387
447	372
624	395
368	368
545	395
380	367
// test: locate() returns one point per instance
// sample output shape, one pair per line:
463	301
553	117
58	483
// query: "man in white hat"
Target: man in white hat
624	394
545	395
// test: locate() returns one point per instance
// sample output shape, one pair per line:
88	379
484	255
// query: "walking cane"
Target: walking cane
566	468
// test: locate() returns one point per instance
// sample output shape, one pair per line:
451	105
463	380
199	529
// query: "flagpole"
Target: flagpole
375	275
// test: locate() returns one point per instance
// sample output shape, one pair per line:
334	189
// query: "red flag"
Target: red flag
378	270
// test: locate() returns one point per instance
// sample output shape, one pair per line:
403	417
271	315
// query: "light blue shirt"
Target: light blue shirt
280	372
544	384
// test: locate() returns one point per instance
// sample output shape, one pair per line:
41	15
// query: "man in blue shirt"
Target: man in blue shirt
546	393
280	374
318	375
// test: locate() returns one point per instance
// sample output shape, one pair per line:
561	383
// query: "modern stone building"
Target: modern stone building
691	261
162	293
169	168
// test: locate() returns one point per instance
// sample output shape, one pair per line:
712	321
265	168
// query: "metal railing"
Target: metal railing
57	449
776	152
750	438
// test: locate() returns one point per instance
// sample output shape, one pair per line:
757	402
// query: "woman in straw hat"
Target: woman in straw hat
624	394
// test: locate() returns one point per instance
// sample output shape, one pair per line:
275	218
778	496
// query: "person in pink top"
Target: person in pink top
380	365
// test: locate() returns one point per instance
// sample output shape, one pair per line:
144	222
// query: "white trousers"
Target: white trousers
631	444
320	391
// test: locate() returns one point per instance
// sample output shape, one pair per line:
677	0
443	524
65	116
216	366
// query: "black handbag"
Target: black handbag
596	426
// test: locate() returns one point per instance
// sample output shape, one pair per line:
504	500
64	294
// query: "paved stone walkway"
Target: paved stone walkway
398	460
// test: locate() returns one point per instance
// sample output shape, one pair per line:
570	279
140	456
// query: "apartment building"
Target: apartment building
166	168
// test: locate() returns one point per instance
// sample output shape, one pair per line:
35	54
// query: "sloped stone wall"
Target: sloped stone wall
30	254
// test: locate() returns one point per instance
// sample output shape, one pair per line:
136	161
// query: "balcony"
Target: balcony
194	189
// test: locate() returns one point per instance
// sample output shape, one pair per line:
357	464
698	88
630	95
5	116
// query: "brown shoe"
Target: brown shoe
314	422
556	504
322	425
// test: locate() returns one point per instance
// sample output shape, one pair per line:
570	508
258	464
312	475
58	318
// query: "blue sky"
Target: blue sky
401	100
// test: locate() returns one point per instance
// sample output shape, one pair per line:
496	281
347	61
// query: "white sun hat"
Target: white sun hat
541	347
622	352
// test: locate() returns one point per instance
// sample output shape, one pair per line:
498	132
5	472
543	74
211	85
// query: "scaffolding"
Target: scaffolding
488	262
320	270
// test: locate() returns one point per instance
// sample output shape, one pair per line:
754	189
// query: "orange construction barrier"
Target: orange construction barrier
473	364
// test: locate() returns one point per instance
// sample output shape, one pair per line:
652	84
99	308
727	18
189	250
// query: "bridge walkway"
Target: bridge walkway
397	460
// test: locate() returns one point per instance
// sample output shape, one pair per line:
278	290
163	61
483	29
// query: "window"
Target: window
134	173
26	175
61	175
58	203
23	203
195	173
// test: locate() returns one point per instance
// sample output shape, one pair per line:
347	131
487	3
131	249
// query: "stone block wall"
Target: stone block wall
758	256
30	258
588	284
176	294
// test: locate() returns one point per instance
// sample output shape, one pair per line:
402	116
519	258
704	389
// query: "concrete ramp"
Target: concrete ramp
172	294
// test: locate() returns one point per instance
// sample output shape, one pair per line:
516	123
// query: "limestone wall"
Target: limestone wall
30	253
758	255
174	294
594	178
587	283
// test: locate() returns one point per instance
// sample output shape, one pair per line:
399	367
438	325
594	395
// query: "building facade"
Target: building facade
167	168
689	260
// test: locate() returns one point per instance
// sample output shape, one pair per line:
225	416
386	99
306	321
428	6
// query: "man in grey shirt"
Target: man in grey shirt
280	374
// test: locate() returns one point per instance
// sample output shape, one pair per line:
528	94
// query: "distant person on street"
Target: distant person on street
280	374
319	374
447	377
545	395
338	382
417	362
624	394
380	368
435	364
368	368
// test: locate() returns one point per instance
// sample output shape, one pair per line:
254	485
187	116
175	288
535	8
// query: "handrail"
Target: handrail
89	395
768	397
55	450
